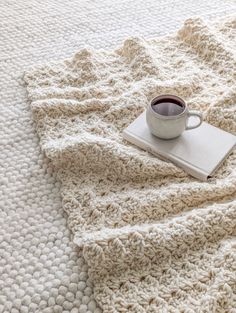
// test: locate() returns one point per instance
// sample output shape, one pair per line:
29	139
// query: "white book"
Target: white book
199	151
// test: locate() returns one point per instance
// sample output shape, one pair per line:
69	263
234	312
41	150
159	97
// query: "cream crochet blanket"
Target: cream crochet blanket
155	239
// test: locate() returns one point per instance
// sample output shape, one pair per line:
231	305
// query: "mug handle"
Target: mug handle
194	113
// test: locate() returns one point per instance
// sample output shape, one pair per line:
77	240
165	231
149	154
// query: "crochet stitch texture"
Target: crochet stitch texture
155	239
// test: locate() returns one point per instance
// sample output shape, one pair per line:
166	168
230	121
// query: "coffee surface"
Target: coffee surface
168	107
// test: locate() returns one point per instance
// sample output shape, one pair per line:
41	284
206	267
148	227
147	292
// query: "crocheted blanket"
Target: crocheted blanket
155	239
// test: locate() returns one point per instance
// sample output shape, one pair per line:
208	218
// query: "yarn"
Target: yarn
154	238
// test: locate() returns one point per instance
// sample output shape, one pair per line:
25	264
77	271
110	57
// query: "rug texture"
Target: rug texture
154	238
41	270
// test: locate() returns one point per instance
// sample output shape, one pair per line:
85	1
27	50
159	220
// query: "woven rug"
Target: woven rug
155	239
40	268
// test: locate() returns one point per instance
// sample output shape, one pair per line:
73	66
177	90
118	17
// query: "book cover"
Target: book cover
199	151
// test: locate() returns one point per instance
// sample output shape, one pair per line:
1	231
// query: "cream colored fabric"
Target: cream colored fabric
155	239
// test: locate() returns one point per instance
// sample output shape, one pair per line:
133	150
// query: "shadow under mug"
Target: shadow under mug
167	116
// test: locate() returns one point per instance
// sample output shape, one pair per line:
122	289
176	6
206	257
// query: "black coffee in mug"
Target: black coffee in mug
167	116
168	106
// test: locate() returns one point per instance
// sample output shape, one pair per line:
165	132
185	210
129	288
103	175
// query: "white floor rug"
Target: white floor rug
155	239
40	268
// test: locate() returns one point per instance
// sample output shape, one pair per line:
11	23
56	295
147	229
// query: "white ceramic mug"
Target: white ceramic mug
167	116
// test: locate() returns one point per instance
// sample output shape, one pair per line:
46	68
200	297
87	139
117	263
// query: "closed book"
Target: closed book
199	152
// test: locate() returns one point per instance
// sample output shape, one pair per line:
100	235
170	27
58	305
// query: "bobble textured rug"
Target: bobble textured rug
41	270
154	238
